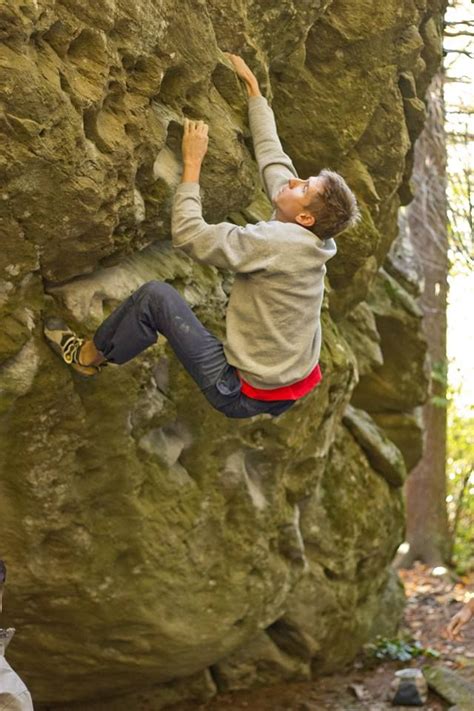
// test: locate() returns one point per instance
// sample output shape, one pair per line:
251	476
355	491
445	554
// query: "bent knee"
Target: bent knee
158	289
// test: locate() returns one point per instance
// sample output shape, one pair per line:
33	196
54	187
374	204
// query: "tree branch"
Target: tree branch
458	51
457	80
458	22
457	136
461	33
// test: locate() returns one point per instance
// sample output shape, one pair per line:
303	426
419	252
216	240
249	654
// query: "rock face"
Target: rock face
157	550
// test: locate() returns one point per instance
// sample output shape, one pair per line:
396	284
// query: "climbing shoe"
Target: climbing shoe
67	345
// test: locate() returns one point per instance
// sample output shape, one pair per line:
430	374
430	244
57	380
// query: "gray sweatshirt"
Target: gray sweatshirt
273	333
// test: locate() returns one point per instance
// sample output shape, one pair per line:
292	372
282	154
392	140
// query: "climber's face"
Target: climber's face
294	197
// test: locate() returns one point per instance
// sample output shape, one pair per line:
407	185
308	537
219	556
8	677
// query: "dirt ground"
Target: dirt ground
365	684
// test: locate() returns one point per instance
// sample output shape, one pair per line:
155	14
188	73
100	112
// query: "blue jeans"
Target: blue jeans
158	308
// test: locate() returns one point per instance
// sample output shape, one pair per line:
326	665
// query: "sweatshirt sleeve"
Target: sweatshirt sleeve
224	245
276	168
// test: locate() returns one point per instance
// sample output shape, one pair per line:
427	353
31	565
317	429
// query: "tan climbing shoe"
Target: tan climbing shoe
67	345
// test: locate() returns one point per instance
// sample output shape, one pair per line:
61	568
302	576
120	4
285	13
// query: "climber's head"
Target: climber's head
323	204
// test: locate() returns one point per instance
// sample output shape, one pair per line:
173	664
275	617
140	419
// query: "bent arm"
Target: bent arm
276	168
224	245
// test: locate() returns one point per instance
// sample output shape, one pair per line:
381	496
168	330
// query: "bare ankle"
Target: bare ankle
89	355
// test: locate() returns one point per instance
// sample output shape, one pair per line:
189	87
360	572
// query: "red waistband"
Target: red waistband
288	392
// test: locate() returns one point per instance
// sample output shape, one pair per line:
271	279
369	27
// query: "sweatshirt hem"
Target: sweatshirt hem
257	383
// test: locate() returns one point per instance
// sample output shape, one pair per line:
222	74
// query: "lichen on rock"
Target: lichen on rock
151	541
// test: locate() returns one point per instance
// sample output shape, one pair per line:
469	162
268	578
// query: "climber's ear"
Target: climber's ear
305	219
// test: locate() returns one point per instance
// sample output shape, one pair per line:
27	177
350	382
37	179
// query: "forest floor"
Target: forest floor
365	684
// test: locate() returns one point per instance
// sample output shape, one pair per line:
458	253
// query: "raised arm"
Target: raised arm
241	249
276	168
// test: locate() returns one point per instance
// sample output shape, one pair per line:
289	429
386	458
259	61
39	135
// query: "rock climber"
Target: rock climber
270	356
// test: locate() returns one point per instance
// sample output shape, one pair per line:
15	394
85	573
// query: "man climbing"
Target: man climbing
273	333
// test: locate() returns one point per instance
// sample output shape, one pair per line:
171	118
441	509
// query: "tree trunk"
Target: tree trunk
427	521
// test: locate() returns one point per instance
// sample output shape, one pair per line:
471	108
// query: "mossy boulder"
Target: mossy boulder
149	539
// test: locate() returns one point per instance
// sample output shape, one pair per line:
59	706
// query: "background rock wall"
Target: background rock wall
154	545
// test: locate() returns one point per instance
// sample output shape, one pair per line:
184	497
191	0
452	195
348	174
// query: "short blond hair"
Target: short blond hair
334	207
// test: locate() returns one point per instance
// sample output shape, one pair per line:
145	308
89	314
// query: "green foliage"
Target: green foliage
399	649
439	373
460	470
439	376
460	481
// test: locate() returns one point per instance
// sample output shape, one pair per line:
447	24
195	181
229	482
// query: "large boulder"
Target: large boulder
351	525
149	539
401	382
